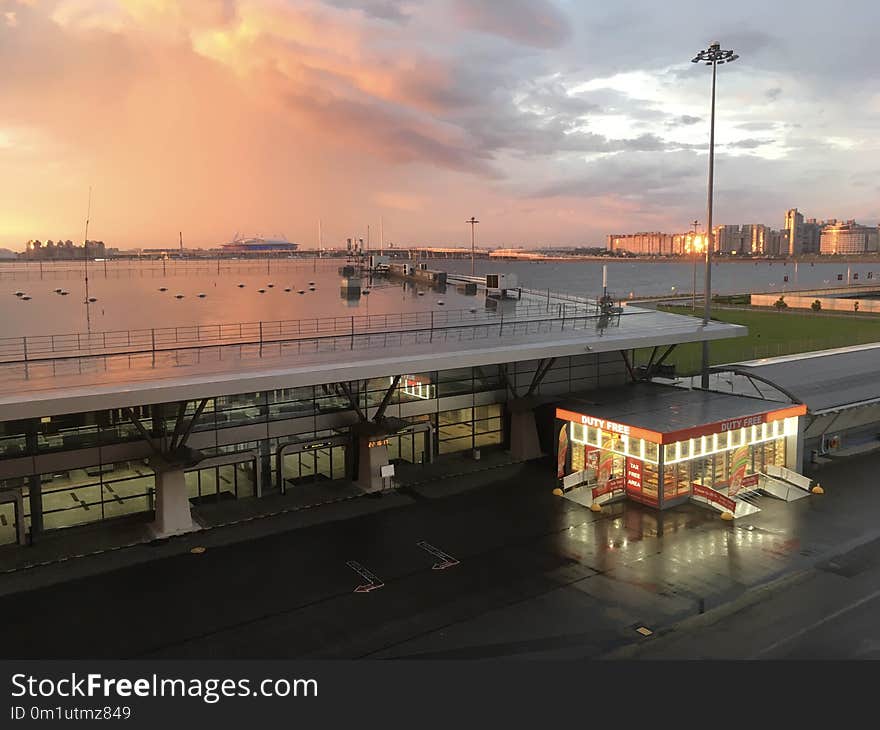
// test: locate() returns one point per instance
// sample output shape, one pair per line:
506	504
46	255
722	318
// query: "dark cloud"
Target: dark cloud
773	94
395	10
640	176
388	132
537	23
613	101
756	126
749	144
686	120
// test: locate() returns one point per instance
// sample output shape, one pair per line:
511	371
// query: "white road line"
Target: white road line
829	617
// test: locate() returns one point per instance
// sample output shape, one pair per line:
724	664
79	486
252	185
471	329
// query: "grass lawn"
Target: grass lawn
772	333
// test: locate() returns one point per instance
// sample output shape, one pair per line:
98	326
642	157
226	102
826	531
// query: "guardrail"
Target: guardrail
323	346
136	341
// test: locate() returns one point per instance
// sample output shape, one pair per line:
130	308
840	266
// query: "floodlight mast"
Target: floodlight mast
711	56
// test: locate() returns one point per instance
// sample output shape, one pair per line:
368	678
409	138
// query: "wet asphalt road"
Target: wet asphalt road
537	576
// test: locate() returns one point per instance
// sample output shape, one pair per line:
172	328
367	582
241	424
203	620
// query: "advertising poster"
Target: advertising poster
606	465
739	464
563	451
591	458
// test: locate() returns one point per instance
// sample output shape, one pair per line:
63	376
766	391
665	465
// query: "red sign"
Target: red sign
670	437
749	481
633	475
621	429
612	485
713	496
591	457
734	424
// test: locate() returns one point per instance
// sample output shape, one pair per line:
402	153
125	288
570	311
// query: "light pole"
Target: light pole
473	221
711	56
694	252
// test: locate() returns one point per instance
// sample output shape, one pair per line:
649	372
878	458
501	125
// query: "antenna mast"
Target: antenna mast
86	259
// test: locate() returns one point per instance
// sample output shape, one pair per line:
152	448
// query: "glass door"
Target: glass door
323	465
337	461
245	479
226	480
298	467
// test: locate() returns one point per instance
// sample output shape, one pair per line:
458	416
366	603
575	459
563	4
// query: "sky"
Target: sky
554	122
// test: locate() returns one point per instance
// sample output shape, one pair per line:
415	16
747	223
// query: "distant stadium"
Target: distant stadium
258	244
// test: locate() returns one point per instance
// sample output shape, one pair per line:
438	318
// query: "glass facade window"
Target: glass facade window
650	480
421	386
469	428
226	481
79	496
291	403
455	382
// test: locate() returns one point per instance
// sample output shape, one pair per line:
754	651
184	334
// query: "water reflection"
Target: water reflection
132	295
687	545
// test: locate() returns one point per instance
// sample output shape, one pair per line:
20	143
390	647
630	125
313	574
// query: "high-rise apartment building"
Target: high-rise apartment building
848	238
650	243
802	236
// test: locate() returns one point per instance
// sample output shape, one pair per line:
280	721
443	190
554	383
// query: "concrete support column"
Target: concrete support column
794	447
264	465
372	456
35	487
524	442
173	514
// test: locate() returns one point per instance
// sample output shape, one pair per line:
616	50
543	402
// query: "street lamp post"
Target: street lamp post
473	221
711	56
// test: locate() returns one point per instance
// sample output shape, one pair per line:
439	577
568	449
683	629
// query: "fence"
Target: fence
136	341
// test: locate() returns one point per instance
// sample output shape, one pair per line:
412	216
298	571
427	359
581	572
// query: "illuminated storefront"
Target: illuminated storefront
649	445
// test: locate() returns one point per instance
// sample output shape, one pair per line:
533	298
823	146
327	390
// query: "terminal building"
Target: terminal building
151	433
143	430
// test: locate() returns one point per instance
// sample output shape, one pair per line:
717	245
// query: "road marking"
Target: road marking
829	617
373	583
446	560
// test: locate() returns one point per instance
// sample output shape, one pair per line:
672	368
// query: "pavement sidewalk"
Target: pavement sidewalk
92	549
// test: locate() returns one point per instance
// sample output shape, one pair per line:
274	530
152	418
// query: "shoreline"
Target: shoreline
871	258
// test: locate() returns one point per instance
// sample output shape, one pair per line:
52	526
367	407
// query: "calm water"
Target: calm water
128	295
585	278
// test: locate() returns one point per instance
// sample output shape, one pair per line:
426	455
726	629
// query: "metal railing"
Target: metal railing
313	349
32	348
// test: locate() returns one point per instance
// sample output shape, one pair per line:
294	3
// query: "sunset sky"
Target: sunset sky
553	121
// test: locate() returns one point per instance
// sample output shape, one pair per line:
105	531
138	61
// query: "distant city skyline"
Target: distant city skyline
552	121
